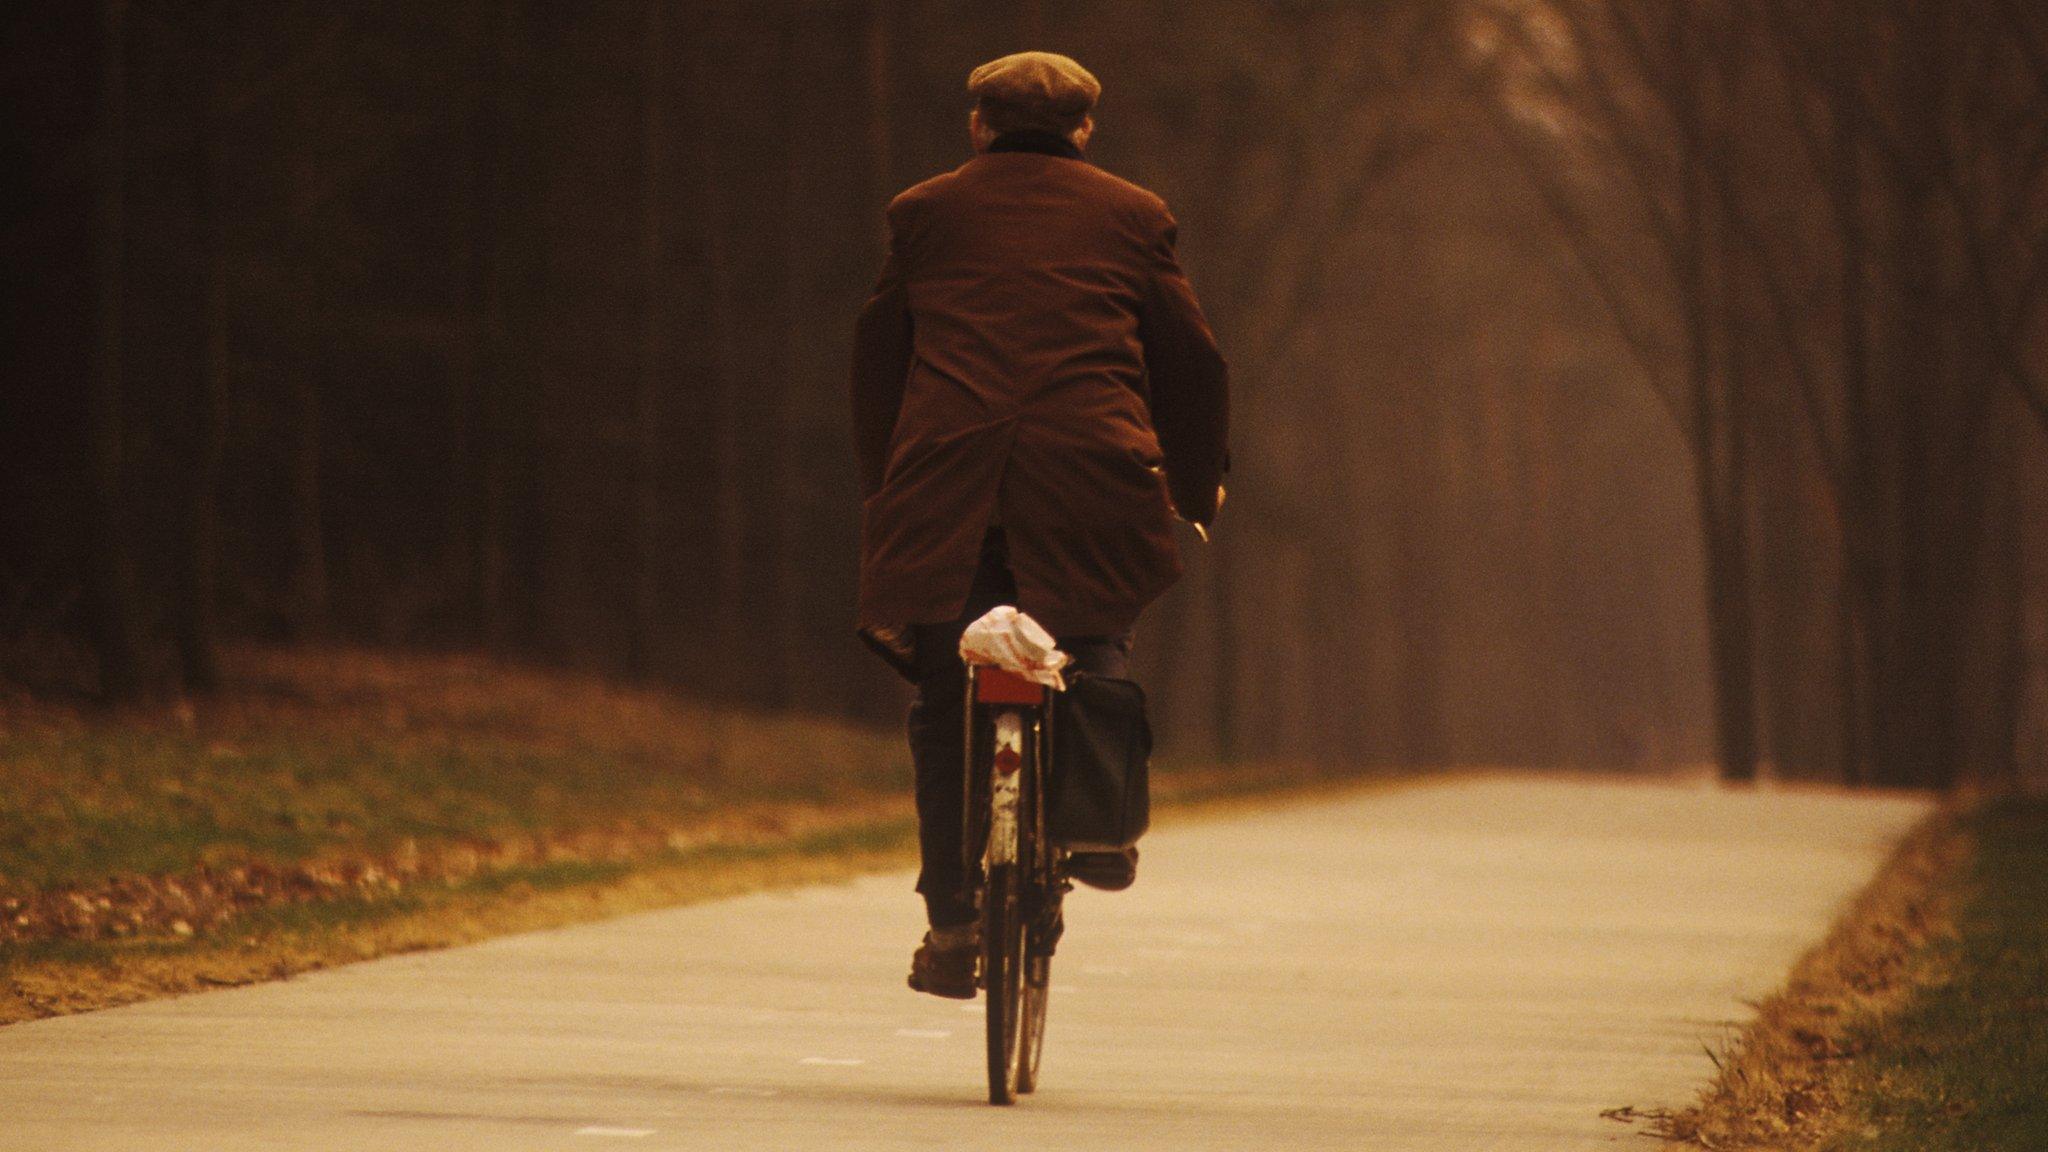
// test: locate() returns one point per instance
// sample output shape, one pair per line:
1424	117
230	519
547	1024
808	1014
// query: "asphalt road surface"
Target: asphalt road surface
1484	964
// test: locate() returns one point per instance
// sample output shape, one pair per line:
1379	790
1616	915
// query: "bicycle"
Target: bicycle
1013	869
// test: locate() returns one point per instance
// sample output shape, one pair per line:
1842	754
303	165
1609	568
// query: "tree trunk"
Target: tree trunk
1717	419
1857	603
880	124
870	694
1734	604
2007	712
193	619
1418	571
647	407
502	399
1910	711
729	668
784	597
112	613
308	594
1729	648
462	532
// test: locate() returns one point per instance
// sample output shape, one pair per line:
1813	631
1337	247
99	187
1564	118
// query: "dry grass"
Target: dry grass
60	978
331	771
1787	1081
276	943
338	805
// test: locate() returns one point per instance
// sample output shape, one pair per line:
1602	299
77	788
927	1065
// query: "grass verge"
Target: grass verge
341	805
57	977
1921	1023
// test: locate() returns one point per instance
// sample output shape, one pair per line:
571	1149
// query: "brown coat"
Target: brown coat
1032	356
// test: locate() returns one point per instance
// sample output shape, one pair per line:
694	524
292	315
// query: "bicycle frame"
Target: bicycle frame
1020	720
1011	866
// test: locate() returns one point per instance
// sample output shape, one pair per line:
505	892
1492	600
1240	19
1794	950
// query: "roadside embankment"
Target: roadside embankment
338	805
1921	1023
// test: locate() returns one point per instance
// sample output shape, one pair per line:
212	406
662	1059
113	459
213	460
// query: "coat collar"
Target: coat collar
1043	143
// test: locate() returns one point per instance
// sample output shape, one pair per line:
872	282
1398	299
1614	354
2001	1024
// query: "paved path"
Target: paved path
1468	966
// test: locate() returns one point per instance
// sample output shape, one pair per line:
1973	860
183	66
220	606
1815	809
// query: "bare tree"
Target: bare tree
502	399
1933	161
1582	87
782	574
1928	155
728	592
194	617
110	565
1307	113
650	443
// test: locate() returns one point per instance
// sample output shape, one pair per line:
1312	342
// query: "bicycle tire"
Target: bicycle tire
1037	989
1002	966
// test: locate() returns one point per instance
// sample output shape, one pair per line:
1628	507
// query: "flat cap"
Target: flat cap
1036	90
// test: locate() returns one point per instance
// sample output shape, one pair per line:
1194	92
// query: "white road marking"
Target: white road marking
607	1130
925	1033
833	1061
1105	970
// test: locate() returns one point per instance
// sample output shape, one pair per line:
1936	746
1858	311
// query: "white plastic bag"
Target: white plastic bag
1016	643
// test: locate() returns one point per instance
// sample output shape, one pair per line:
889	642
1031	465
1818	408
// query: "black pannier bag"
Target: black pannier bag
1101	747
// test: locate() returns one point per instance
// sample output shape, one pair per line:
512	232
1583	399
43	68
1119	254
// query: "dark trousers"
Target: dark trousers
938	720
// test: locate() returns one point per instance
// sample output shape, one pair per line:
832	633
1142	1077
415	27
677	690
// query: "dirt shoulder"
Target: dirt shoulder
343	805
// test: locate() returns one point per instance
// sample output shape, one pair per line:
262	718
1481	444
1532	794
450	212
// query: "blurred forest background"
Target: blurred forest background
1619	383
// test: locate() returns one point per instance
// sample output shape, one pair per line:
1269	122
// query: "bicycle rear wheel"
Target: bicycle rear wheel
1003	980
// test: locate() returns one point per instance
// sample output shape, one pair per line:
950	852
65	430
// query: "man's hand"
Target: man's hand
1201	529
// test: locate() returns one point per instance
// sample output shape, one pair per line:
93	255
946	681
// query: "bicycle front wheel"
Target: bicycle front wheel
1037	987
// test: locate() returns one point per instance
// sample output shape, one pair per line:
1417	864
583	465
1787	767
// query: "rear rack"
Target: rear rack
993	685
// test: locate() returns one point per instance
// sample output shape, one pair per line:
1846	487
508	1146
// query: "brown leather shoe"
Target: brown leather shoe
1109	871
946	970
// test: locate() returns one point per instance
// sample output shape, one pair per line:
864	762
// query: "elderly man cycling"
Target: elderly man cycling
1036	394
